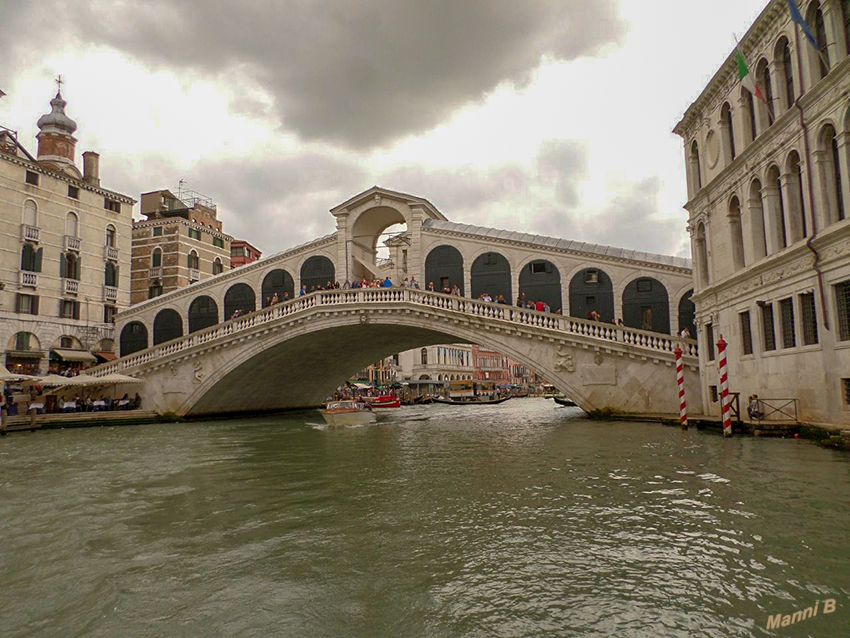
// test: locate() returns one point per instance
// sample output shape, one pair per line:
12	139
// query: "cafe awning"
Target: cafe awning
75	355
25	354
106	356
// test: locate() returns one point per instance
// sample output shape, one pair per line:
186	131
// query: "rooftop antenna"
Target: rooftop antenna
59	82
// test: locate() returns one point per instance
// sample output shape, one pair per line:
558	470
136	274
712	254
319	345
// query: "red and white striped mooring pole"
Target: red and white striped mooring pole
680	382
724	388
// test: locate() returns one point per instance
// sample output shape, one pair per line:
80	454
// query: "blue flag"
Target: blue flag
797	17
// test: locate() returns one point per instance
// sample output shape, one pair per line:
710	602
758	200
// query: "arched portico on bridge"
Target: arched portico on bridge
540	280
444	267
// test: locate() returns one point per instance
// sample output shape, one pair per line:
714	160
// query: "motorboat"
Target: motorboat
382	402
342	413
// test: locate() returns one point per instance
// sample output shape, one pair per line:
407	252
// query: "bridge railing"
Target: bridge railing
367	296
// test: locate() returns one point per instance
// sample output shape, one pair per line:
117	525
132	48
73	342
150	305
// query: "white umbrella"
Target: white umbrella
5	375
51	380
109	379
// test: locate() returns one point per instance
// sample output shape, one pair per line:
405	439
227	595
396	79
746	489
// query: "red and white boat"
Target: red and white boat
388	401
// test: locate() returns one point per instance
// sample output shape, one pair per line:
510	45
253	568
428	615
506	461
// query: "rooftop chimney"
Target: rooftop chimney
91	168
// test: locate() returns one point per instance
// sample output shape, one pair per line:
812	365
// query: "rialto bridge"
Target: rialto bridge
195	360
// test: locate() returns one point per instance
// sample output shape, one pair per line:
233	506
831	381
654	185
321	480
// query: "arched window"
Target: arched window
277	282
69	266
71	225
134	337
30	216
217	267
845	14
30	258
193	261
203	313
757	225
156	258
696	174
818	60
687	312
167	325
540	280
831	174
751	110
444	267
491	273
239	297
423	356
701	253
110	236
646	305
317	271
110	275
763	76
737	233
784	57
728	129
591	291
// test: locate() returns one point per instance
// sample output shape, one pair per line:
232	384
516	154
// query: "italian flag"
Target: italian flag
747	78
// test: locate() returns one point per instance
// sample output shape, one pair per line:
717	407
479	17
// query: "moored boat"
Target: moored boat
472	401
564	401
380	403
342	413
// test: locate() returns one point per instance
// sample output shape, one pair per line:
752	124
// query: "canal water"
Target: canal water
516	520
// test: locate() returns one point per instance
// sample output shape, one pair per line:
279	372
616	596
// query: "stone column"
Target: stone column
725	149
515	286
755	235
773	229
833	21
742	125
791	199
415	260
344	261
736	240
843	140
467	279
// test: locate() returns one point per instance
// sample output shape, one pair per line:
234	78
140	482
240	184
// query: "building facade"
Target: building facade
449	362
64	251
241	253
181	242
768	190
493	366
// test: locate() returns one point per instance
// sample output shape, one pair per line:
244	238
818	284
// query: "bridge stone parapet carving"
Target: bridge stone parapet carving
292	354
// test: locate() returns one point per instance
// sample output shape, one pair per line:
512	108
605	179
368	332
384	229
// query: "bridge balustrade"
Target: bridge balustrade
368	296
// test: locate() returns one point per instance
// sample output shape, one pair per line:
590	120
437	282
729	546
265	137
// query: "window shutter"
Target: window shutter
35	304
77	307
24	257
38	254
77	270
63	264
18	302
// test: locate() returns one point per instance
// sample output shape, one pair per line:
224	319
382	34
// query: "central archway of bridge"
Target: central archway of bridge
367	232
294	354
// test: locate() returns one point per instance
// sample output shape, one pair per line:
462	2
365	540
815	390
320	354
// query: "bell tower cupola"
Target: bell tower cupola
56	142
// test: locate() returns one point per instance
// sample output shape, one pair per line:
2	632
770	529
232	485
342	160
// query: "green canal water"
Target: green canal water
515	520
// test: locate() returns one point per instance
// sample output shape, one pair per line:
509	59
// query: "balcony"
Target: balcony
110	293
29	233
155	273
194	274
70	286
72	243
110	253
29	279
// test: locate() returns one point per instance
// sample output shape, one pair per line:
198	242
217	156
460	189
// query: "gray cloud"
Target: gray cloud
357	73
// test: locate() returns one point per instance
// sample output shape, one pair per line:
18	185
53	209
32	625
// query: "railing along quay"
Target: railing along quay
368	296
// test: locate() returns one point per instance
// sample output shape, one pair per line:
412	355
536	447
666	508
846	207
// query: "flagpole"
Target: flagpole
809	179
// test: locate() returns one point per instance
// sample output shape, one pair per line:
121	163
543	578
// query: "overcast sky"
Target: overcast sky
539	116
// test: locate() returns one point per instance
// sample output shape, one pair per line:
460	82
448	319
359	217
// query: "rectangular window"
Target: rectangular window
591	277
157	231
713	391
746	333
646	318
538	267
644	285
111	204
845	387
69	309
73	192
32	178
194	233
66	342
109	313
590	302
809	317
22	341
786	310
237	252
842	304
767	324
218	242
27	305
709	337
